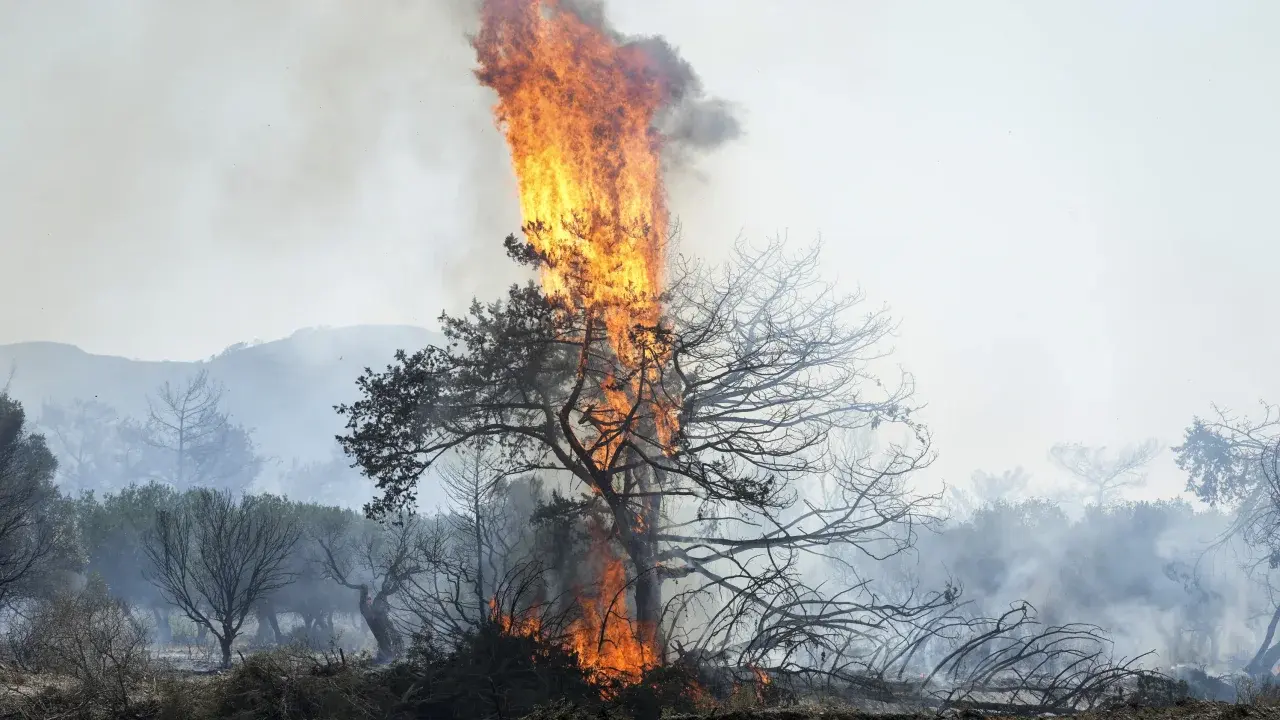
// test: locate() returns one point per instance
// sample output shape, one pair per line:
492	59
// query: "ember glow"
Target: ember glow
577	107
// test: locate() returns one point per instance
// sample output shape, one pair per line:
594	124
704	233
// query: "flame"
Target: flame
577	107
577	110
526	625
607	641
608	644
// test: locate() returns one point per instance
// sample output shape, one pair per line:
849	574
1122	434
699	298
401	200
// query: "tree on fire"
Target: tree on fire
693	433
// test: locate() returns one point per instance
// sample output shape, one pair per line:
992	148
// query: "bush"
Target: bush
1258	692
317	637
292	683
488	673
90	638
679	688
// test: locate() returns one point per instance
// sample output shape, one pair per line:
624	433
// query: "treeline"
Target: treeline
185	439
1154	574
228	564
89	583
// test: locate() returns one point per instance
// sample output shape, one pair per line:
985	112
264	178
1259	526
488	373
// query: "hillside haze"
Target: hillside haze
283	390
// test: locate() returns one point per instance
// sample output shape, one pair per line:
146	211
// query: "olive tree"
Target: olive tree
216	558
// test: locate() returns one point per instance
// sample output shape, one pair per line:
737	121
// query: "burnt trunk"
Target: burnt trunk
642	548
377	616
1267	654
268	627
225	643
649	611
264	636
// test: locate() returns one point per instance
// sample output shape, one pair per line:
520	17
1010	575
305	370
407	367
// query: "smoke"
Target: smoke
266	165
693	122
1149	574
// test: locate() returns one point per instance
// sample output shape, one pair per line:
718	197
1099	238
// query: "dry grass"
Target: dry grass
1255	693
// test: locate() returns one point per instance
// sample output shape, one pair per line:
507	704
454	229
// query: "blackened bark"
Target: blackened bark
642	548
1267	654
268	626
225	643
377	616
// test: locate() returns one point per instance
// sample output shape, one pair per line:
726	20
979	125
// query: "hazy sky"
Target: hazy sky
1069	205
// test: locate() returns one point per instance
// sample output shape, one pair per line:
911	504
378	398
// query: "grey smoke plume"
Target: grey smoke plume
694	122
167	164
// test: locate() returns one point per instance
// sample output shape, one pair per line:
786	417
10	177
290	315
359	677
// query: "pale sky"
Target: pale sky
1068	205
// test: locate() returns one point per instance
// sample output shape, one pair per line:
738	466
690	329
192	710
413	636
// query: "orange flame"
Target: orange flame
577	110
577	107
605	638
526	625
608	645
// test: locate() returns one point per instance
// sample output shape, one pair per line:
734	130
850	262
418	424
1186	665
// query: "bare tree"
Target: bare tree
378	561
1105	475
693	432
188	423
216	558
91	637
36	535
474	482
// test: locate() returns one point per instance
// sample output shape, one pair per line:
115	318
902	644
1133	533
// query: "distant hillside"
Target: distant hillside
285	390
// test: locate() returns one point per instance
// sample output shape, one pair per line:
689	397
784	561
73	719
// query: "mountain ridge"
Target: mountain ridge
284	390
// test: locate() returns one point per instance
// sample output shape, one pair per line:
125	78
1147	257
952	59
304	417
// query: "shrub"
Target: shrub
91	638
1258	692
488	673
290	683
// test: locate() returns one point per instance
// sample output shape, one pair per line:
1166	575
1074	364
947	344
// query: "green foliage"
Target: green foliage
37	538
112	531
1220	470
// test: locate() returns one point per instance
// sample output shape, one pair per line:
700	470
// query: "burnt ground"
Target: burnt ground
1188	710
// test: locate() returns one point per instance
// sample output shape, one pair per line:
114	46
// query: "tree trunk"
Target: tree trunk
377	616
642	547
1267	655
649	612
225	643
268	627
164	633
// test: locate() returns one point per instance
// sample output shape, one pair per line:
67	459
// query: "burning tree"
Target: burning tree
694	443
689	409
691	404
